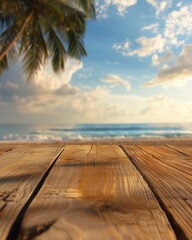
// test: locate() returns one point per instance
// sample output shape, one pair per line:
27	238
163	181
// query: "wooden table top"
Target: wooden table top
97	191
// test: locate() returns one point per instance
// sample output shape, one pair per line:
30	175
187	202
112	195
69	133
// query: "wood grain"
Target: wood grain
20	172
185	150
169	172
4	150
95	192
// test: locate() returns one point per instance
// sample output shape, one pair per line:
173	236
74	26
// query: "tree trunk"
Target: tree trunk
17	36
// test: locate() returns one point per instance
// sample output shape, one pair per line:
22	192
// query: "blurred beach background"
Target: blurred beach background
89	132
135	82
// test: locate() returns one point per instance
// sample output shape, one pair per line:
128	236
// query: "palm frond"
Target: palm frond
8	13
11	7
84	6
75	22
88	6
5	38
35	51
57	9
42	29
57	50
76	46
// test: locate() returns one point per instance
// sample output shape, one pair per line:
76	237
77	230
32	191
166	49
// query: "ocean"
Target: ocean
85	132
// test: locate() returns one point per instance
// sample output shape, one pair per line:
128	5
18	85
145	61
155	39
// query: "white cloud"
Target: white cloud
160	5
155	60
153	28
167	109
85	73
163	59
102	6
67	89
179	4
46	90
176	75
176	30
123	47
159	99
152	2
148	46
122	5
96	105
116	80
178	23
49	81
95	94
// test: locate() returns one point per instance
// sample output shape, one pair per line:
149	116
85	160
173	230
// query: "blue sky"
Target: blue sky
138	70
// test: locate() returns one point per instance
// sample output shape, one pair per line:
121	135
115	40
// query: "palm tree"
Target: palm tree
42	29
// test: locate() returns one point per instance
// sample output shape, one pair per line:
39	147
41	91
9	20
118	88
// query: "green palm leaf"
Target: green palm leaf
35	51
76	47
42	29
5	37
57	50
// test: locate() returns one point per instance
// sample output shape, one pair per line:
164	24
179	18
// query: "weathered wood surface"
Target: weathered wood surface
168	170
21	170
185	150
95	192
4	150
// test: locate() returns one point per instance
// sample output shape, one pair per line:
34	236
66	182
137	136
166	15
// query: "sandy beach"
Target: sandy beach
152	141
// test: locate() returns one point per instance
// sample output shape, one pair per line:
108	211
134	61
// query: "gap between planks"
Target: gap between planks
22	172
168	172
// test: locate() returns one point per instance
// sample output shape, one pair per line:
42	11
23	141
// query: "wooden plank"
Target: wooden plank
95	192
20	172
186	150
4	150
170	174
178	160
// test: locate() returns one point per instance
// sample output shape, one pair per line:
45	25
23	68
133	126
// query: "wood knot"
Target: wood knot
105	207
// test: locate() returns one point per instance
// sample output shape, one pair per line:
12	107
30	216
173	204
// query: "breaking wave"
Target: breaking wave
88	132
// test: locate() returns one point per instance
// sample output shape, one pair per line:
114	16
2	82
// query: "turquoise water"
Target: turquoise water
93	132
